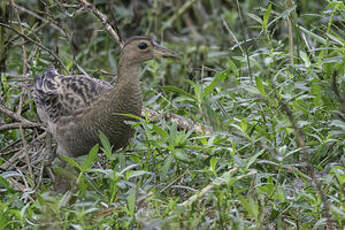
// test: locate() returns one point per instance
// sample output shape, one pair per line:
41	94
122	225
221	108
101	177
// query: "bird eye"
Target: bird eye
142	45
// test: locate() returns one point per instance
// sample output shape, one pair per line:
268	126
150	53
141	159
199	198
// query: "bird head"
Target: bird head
140	49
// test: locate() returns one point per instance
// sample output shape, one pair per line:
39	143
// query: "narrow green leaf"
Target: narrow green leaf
313	35
128	115
218	78
163	173
260	86
173	133
82	184
90	158
233	67
4	184
255	18
70	161
161	132
244	125
137	173
177	90
250	206
253	158
131	201
107	148
179	154
213	163
267	15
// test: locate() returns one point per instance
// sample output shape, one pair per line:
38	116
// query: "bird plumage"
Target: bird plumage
58	95
76	108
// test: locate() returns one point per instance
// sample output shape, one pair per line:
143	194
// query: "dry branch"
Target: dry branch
21	99
55	26
24	123
15	116
114	32
37	44
17	125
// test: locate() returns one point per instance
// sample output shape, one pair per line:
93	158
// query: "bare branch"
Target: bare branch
17	125
114	32
37	44
17	117
55	26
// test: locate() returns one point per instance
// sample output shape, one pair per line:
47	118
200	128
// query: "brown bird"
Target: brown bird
76	108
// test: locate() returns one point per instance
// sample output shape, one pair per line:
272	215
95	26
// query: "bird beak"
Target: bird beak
162	52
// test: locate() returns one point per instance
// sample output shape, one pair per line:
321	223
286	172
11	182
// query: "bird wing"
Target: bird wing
57	95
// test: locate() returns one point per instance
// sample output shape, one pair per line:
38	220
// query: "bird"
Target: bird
77	108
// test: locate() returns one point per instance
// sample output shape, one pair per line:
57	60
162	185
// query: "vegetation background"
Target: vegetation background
267	76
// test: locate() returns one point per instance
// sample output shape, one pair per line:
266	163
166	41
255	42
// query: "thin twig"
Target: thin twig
17	117
37	44
114	32
40	18
21	99
17	125
25	63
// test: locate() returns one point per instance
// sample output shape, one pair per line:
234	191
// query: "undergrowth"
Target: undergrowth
275	107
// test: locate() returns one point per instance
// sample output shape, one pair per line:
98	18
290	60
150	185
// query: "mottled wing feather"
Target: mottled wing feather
57	95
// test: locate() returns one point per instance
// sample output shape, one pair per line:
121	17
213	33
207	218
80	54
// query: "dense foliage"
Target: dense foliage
267	76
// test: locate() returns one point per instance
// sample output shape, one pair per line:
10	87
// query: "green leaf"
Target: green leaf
250	206
255	18
173	133
253	158
4	184
233	67
137	173
218	78
213	164
128	115
244	125
90	158
161	132
163	173
267	16
313	35
177	90
179	154
71	161
196	90
107	148
260	86
131	199
82	184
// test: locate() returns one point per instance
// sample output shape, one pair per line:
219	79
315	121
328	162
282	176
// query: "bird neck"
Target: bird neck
128	72
126	96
